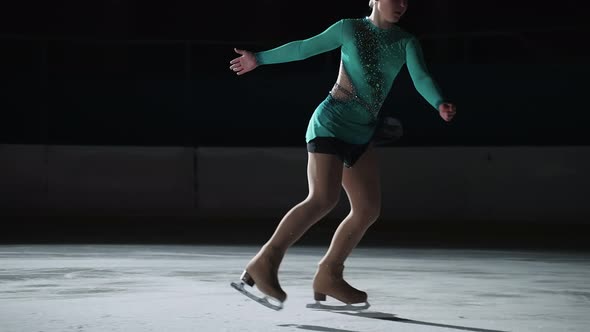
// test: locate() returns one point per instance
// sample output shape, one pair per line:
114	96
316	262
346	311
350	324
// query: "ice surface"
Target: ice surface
186	288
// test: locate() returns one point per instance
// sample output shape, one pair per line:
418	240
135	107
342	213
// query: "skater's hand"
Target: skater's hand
243	64
447	111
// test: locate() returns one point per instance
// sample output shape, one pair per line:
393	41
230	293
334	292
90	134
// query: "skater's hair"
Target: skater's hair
371	3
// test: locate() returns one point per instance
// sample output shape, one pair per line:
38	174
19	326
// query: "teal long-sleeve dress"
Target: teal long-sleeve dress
371	58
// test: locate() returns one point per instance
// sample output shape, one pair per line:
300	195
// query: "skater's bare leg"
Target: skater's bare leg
324	172
362	186
324	175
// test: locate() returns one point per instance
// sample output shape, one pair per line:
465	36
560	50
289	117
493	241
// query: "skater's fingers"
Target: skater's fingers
239	51
450	107
236	60
236	66
237	69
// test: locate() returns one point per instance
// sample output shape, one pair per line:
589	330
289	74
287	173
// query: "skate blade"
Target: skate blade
346	307
262	300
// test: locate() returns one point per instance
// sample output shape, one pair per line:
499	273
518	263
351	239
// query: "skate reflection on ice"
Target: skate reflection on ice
265	301
346	307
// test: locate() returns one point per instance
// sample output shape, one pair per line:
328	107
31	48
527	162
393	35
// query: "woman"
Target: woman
373	50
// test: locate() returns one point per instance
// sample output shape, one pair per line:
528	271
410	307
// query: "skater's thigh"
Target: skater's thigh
324	176
363	185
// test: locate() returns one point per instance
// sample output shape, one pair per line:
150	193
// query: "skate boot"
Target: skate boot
328	281
262	271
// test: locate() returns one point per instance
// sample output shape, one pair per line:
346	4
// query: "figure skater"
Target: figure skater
339	142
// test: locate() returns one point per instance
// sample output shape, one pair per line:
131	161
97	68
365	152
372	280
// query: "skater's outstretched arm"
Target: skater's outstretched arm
424	82
326	41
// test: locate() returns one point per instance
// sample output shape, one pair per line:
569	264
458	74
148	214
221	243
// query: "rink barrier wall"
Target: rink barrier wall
464	184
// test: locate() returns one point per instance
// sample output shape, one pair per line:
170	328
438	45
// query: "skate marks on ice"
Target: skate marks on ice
262	300
346	307
314	328
392	317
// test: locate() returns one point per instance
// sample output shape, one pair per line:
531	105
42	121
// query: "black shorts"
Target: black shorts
348	153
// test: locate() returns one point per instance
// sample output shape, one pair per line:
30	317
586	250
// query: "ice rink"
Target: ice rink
186	288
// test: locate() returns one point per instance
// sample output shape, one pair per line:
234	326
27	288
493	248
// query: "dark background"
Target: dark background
156	73
146	73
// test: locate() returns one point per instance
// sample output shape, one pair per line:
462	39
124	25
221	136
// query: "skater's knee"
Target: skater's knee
323	202
368	213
